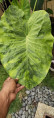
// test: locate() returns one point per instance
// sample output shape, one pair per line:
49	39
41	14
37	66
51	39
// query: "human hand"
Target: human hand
8	94
11	88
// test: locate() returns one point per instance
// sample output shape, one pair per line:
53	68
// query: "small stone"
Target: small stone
36	99
46	102
34	110
51	104
29	102
23	108
38	95
33	98
23	116
29	99
47	92
32	114
37	90
29	116
25	98
20	112
23	104
40	99
13	116
16	115
29	111
26	102
26	114
27	92
17	112
52	98
44	98
33	93
33	89
26	107
23	112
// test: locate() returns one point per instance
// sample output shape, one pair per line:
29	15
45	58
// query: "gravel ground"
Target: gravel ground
30	102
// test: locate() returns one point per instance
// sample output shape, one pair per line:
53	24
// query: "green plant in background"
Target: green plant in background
23	39
38	5
50	11
4	4
1	5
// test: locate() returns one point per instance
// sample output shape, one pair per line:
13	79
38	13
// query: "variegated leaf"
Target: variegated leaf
26	47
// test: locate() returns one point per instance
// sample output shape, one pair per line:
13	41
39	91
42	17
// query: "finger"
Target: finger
18	85
19	89
8	78
6	81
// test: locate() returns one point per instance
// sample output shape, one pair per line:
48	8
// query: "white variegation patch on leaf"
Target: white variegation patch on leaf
26	46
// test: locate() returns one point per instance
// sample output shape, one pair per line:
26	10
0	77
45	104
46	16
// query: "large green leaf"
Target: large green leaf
26	47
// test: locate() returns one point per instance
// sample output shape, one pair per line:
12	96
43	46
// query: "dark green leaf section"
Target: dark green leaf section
15	2
26	47
25	6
